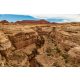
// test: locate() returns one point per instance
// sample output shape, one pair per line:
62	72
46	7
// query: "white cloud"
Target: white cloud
66	17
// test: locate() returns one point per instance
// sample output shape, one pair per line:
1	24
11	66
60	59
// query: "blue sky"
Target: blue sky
13	18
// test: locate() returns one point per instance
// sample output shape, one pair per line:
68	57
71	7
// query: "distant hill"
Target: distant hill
32	22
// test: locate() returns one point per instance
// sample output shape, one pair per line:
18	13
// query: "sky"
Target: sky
40	7
65	17
43	8
51	18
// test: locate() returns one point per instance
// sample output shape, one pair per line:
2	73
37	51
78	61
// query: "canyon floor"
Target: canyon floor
40	45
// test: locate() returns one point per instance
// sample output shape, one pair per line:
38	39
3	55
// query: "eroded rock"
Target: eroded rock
75	52
5	44
45	60
18	58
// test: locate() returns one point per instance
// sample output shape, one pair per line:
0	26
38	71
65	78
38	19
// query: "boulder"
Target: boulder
17	59
75	52
4	42
45	60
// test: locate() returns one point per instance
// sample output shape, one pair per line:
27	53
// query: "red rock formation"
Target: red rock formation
4	22
32	22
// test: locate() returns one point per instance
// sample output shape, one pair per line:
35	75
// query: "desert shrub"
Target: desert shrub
65	56
56	64
57	49
48	50
40	42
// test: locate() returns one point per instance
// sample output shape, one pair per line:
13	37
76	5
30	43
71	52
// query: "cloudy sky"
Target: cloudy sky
42	8
65	17
49	17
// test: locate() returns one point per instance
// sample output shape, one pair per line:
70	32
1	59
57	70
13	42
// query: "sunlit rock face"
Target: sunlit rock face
4	41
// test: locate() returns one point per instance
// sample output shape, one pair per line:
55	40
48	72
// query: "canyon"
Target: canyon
39	44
